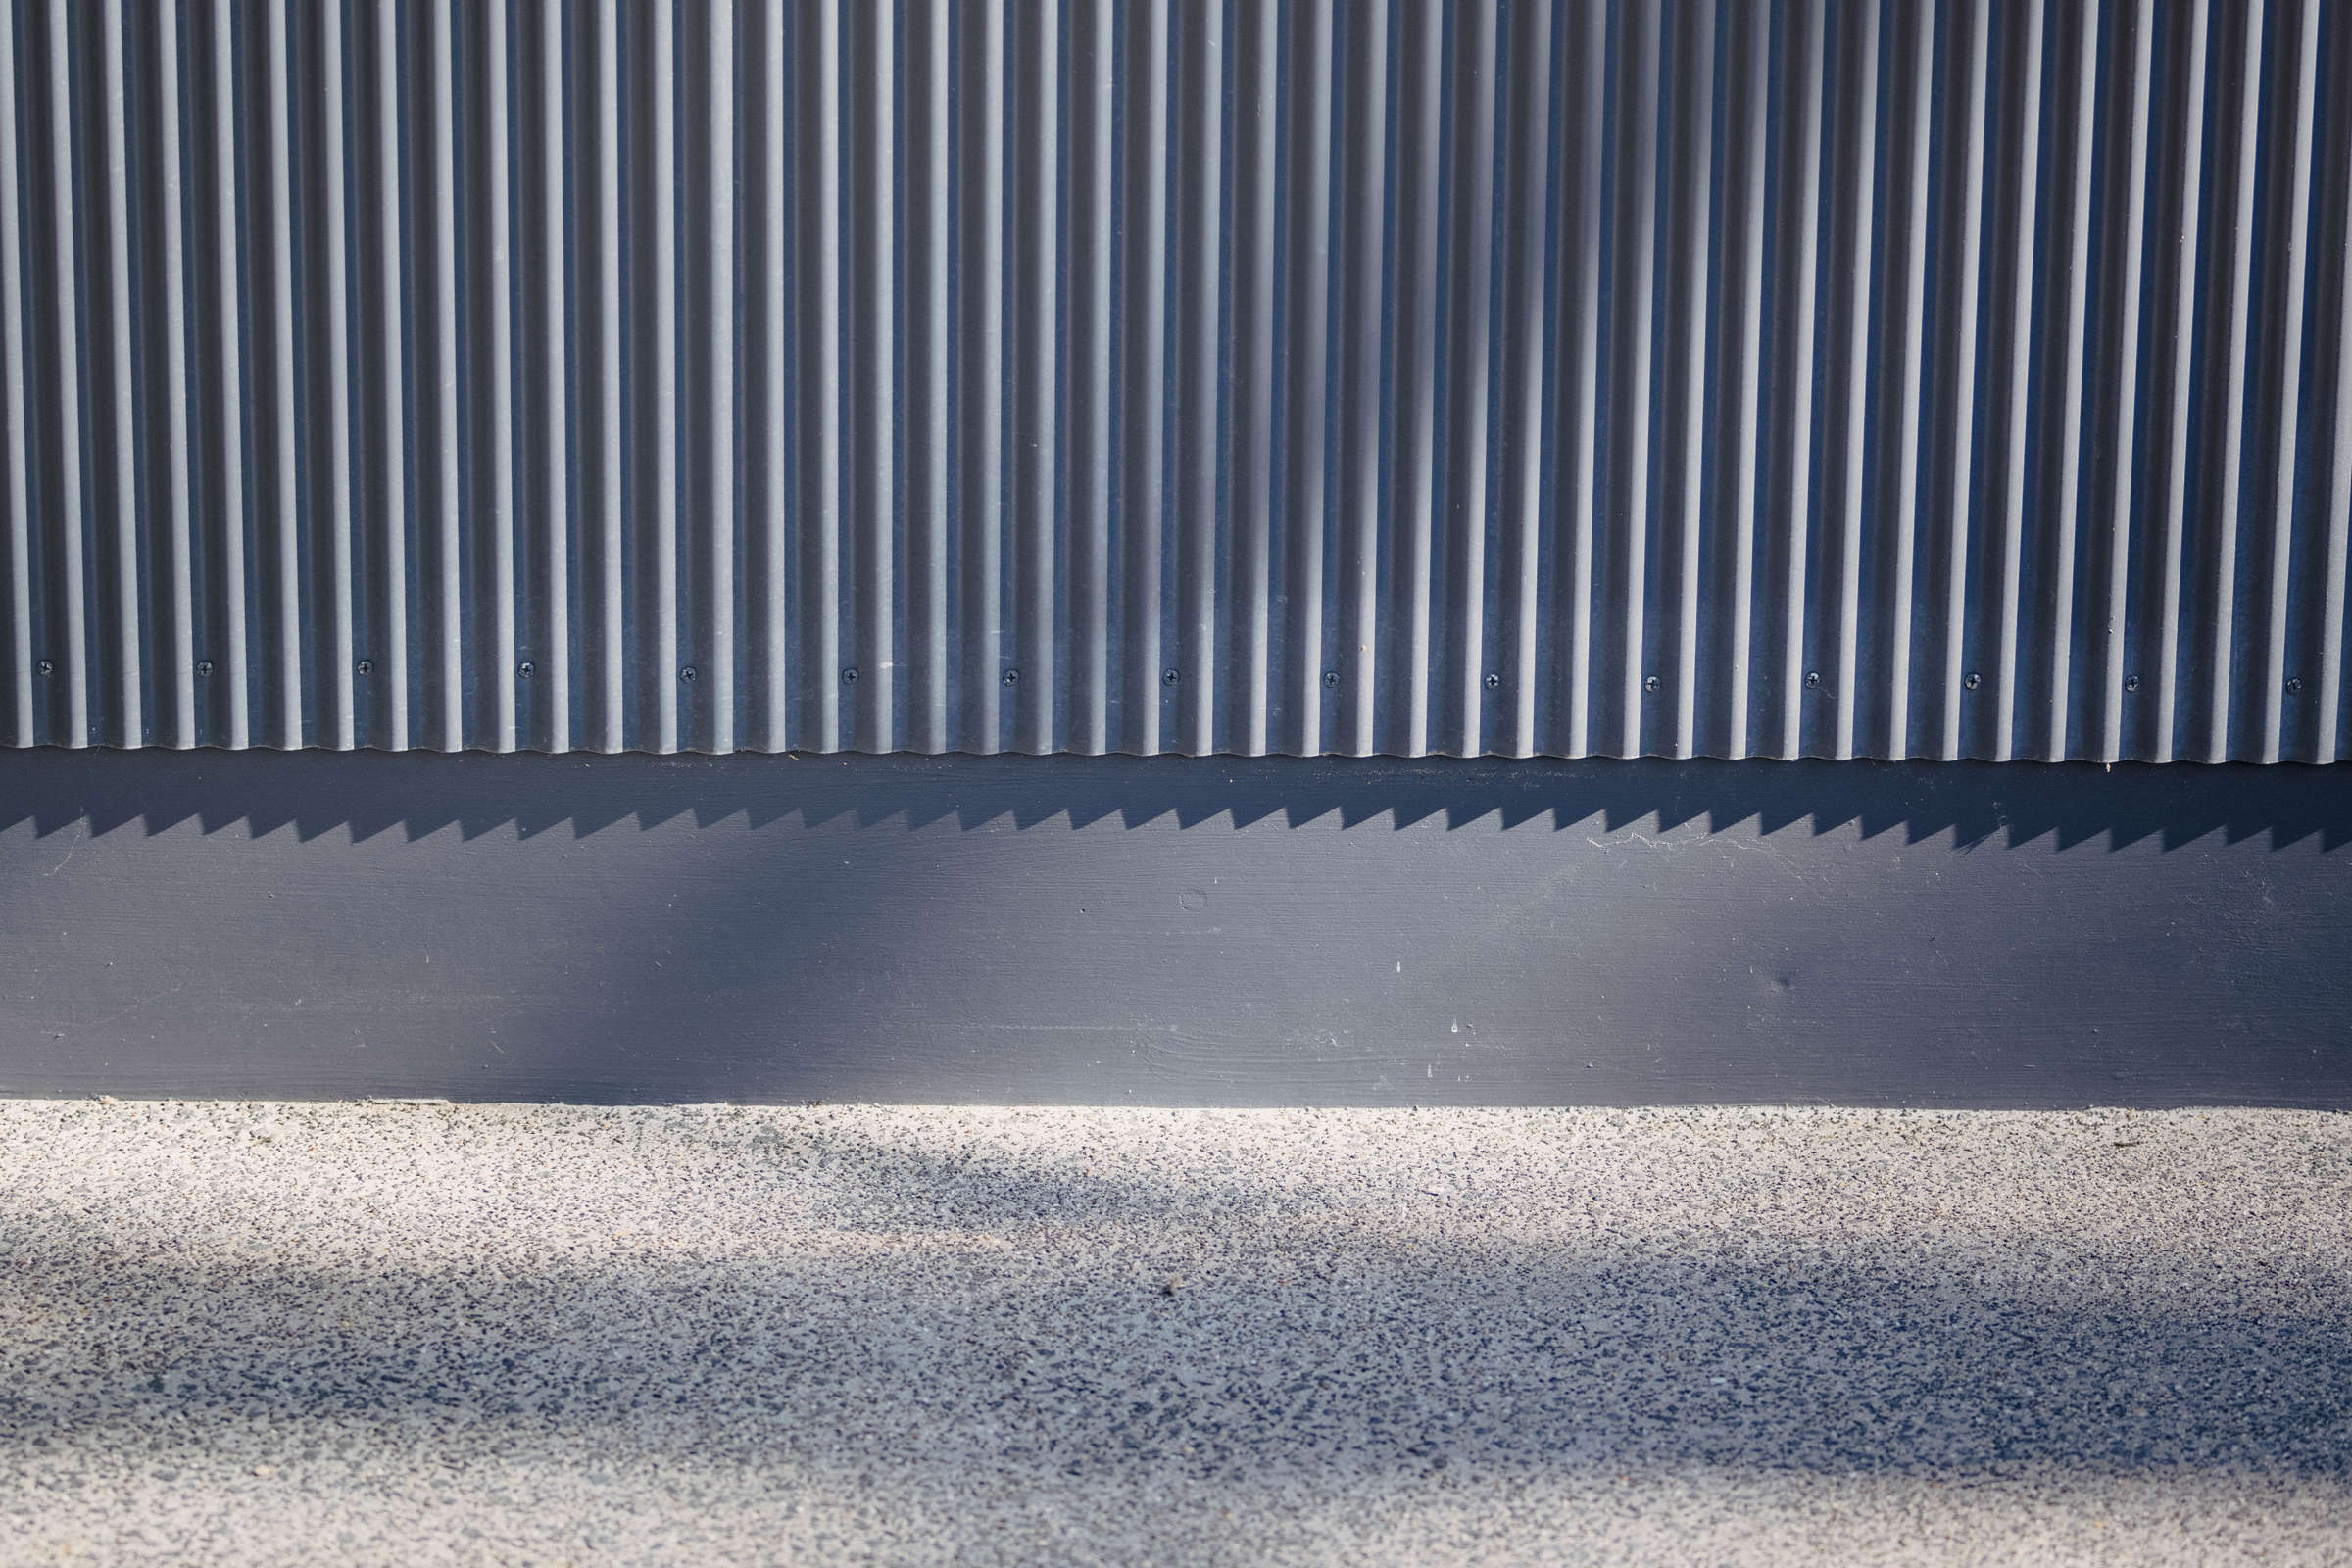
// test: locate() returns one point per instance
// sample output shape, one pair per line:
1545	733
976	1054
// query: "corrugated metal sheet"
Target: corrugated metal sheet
1956	379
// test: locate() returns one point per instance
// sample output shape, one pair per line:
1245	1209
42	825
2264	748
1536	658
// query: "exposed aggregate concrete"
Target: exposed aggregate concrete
424	1333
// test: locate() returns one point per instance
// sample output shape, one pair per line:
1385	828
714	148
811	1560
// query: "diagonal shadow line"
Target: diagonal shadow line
417	795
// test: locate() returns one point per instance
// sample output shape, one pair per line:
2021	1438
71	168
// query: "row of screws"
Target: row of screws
1013	678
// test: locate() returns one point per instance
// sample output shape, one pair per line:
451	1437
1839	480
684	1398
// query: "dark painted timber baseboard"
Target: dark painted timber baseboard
1173	932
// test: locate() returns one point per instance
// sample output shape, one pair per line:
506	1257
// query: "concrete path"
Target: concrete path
413	1335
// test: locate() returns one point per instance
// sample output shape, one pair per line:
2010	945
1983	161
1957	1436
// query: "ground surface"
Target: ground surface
411	1333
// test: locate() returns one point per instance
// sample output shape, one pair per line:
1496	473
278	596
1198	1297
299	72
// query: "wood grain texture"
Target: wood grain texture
1178	932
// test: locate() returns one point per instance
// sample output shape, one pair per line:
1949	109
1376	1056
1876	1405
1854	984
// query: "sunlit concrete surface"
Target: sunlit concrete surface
417	1333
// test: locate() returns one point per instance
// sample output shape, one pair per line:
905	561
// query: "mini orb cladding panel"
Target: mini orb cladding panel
1723	379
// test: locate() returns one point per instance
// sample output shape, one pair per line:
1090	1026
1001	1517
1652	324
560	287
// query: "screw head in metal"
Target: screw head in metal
1169	677
1331	678
1972	680
1649	683
1812	679
367	666
849	676
2131	684
1013	678
203	666
2294	684
1494	681
687	674
526	669
46	668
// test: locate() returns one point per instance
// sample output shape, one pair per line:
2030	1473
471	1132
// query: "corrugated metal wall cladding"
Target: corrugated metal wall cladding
1335	376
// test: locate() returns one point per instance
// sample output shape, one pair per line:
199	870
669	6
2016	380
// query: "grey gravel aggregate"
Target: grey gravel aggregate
423	1333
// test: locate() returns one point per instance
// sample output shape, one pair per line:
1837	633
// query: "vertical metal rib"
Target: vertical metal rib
1915	307
554	638
345	718
1592	262
668	674
2234	440
1363	288
2020	377
1802	353
615	507
2327	742
1701	282
821	603
1747	410
1963	394
932	503
2184	323
1037	699
1197	429
449	548
234	676
76	661
833	216
1530	335
719	686
2072	430
503	431
291	692
394	669
1864	132
182	718
1471	374
2291	392
130	623
1254	418
1650	219
2127	408
1091	669
1147	221
1308	391
986	613
1416	389
775	628
878	572
12	347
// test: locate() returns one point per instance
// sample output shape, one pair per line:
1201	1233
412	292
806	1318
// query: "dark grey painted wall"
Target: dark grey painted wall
1174	931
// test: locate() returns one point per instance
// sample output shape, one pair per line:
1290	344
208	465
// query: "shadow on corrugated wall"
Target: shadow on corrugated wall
1829	379
2126	803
